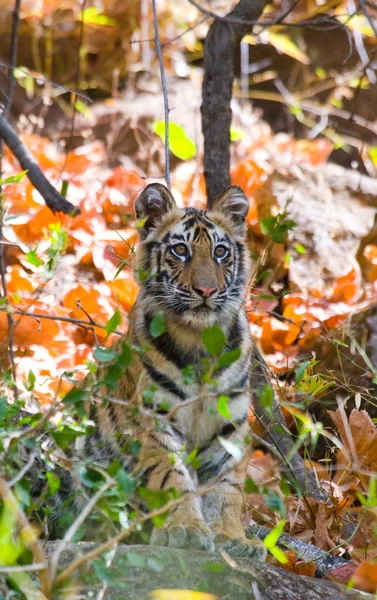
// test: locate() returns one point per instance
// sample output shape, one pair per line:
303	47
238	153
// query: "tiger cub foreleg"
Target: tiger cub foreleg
163	466
223	508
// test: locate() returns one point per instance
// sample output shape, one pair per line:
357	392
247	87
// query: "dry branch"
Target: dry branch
55	201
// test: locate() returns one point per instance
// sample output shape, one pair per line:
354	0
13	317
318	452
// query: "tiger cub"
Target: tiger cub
197	266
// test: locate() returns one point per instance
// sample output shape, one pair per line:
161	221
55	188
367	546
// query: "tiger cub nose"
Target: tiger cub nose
205	291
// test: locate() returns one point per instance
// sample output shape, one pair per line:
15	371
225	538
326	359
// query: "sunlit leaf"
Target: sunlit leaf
223	406
13	178
180	144
180	595
113	323
285	44
93	15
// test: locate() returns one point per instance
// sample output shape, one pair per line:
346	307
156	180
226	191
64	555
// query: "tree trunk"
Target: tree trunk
222	39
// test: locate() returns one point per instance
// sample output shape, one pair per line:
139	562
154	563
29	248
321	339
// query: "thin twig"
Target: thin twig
368	17
165	94
23	568
88	325
76	524
76	84
24	470
12	57
7	107
42	79
82	560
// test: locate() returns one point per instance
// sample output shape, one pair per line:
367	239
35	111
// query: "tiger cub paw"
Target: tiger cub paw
241	547
196	537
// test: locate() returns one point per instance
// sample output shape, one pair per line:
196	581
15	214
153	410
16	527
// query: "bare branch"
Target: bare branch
165	94
87	325
76	524
55	201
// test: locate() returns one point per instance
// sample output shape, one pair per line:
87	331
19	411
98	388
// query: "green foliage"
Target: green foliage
277	227
223	407
270	542
180	144
213	340
157	325
13	178
113	323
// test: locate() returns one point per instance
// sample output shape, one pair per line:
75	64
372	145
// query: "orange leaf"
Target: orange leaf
365	577
277	335
303	568
18	281
125	289
248	175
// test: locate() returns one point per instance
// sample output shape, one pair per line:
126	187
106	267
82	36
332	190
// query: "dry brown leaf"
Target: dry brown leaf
359	437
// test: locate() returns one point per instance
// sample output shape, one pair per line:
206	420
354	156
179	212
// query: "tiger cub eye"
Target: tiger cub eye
180	250
221	251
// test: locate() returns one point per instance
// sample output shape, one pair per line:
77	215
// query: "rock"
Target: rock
135	571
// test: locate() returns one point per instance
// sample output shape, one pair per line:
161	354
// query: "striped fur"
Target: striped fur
195	266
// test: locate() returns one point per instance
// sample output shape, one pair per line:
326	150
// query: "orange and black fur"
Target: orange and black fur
196	268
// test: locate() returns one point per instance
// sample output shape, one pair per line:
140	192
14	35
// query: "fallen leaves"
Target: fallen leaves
358	456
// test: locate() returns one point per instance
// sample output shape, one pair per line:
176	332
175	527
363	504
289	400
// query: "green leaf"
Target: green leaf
125	357
300	372
213	340
272	538
66	436
223	408
126	483
180	144
113	323
236	134
104	355
75	396
53	482
300	249
157	326
250	486
154	498
267	396
33	259
339	343
277	227
274	502
135	560
214	567
31	381
13	178
229	357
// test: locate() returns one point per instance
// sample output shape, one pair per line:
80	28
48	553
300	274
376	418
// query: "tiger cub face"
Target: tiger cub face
197	262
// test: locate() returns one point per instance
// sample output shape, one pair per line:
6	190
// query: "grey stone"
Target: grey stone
135	571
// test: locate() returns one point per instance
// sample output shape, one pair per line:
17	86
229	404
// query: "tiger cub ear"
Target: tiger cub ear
232	203
151	205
